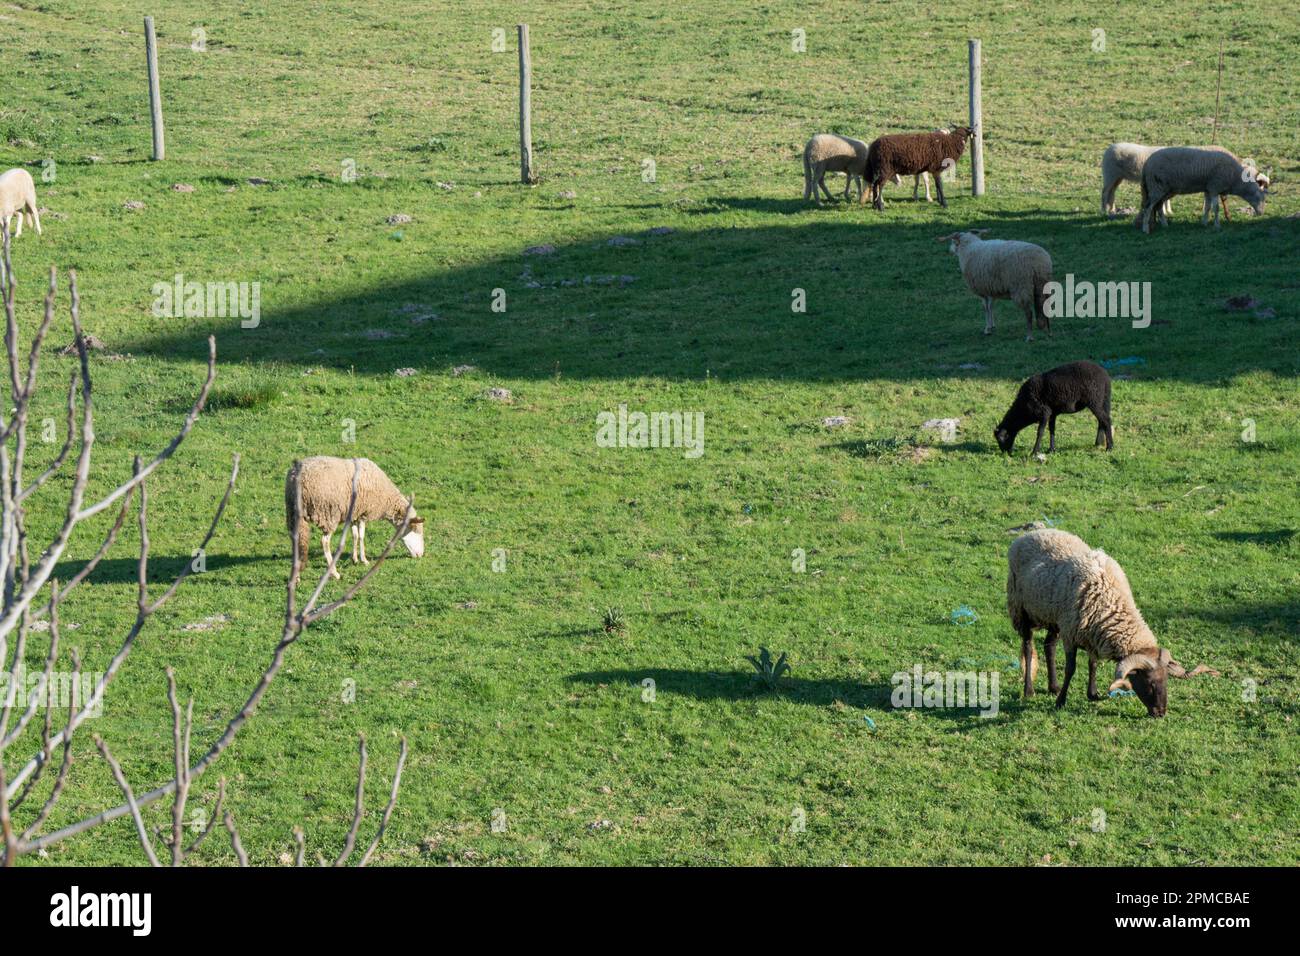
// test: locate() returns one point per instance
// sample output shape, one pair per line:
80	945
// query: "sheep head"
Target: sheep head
1147	675
956	240
414	538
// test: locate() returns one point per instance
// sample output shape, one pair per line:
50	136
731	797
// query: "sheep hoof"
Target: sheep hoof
1096	696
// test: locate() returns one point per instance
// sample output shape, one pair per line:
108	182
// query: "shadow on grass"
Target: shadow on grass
1279	617
883	301
162	569
1262	538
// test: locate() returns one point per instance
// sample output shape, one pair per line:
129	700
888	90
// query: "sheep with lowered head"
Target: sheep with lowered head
1179	170
1004	269
326	490
1082	597
831	153
1123	163
1059	391
18	197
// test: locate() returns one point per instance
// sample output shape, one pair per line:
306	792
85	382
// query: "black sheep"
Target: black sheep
909	154
1061	391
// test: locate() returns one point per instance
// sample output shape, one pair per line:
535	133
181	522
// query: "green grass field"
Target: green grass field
511	694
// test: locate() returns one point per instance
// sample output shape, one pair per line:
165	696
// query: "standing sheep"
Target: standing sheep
326	489
1060	391
909	154
1123	163
1180	170
827	152
1081	596
1003	269
18	197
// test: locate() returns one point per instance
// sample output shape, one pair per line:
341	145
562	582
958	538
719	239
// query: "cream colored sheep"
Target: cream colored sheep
1123	163
1082	597
829	153
1004	269
326	493
1180	170
18	197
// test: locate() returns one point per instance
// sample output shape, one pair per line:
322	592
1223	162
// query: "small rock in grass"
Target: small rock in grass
93	344
946	427
600	825
377	334
92	159
498	394
460	370
545	249
623	241
447	186
835	421
404	372
398	219
258	181
208	623
467	605
1240	303
133	205
182	188
660	231
567	194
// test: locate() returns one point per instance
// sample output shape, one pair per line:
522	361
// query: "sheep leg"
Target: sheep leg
1051	433
1223	201
1028	657
819	174
938	187
925	177
1038	442
1070	654
1205	209
36	217
1108	196
1028	308
20	225
329	554
1049	655
362	526
988	315
1092	677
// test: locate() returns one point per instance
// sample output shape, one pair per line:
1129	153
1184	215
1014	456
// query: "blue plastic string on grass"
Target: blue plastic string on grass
870	723
1121	693
964	616
1128	360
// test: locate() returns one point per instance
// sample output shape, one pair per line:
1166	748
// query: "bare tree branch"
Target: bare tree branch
360	810
130	800
234	840
388	810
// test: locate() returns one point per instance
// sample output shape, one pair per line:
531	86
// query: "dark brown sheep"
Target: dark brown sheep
1060	391
909	154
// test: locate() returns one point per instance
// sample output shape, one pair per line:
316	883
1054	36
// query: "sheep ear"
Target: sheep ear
948	238
981	232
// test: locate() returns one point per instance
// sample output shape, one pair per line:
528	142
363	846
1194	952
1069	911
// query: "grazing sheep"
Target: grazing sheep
1003	269
1177	170
1061	391
18	197
1081	596
1123	163
326	485
909	154
827	152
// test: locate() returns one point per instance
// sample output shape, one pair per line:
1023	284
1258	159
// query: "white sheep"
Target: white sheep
1004	269
1123	163
326	485
827	152
1180	170
1082	597
18	197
